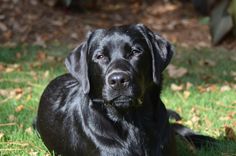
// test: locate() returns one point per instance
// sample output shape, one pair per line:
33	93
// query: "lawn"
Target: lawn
201	86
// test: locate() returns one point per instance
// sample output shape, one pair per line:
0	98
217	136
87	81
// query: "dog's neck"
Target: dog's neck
140	123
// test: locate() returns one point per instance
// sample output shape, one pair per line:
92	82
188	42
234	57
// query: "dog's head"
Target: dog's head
117	65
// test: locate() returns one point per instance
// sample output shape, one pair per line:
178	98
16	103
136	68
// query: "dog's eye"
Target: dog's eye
136	51
100	56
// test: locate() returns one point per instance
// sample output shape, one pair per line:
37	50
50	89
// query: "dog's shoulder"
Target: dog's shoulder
61	92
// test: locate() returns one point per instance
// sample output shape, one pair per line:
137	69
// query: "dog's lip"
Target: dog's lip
121	101
125	101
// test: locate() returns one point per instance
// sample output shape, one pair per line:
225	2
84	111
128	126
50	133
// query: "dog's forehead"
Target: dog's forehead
117	36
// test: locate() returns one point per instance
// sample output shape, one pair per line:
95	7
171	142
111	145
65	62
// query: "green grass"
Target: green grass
207	109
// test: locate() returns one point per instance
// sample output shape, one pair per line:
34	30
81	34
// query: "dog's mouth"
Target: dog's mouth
125	102
121	102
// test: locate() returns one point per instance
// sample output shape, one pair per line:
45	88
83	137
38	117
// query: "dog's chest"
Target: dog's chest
136	143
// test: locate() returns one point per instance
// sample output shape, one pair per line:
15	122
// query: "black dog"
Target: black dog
109	104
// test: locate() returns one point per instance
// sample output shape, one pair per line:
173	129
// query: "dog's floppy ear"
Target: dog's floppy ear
161	51
76	64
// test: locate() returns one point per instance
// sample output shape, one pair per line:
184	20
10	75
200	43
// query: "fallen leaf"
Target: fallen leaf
209	88
41	56
34	2
50	3
18	55
11	118
188	85
74	36
33	153
18	91
29	130
201	89
229	133
207	62
195	119
2	67
19	108
225	118
58	23
175	87
186	94
194	110
175	72
7	35
225	88
40	42
28	98
3	27
13	67
234	124
207	122
46	74
1	135
212	88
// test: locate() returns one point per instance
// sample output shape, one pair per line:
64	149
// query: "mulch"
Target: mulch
34	22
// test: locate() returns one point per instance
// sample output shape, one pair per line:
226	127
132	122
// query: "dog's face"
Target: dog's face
119	64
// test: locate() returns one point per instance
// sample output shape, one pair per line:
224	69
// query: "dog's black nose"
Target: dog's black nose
118	80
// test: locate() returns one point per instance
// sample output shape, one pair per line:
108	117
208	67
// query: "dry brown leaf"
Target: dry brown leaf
207	62
229	133
74	36
201	89
40	42
29	130
12	118
3	27
19	108
13	67
28	98
46	74
195	119
18	55
4	92
2	67
225	118
1	135
209	88
186	94
33	153
208	122
231	114
41	56
194	110
7	35
58	23
175	72
188	85
225	88
175	87
18	91
50	3
234	124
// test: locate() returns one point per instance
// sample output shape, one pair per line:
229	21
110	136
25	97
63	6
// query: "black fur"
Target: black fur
109	103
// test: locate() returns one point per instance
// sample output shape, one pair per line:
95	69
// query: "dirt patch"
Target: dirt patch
30	21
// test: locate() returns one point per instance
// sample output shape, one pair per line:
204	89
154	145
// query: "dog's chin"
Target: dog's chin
125	102
122	106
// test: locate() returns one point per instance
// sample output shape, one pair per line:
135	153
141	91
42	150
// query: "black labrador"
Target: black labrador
109	103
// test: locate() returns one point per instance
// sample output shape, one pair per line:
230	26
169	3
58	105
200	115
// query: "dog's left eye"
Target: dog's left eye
100	56
136	51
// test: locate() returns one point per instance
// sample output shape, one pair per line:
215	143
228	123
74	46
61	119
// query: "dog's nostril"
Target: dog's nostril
112	82
118	80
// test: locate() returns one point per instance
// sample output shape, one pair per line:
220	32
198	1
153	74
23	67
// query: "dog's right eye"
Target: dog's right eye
100	56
